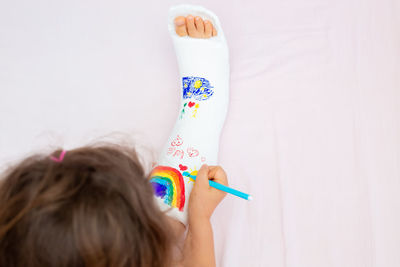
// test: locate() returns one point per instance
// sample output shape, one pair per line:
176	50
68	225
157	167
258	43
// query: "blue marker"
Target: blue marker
222	187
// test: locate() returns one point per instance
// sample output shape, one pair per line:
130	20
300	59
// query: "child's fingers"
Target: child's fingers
217	174
202	176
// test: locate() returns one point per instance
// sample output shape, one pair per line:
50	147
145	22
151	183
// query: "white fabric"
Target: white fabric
312	130
194	139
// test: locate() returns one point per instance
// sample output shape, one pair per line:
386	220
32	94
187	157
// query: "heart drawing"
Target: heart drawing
182	167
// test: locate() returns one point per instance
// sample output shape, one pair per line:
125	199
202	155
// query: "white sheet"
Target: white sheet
312	132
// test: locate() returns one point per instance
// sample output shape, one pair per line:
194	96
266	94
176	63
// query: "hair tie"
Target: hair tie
60	158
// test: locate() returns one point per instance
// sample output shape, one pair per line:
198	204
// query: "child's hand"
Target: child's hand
204	198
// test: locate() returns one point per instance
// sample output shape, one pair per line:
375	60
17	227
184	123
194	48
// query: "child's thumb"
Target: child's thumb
202	176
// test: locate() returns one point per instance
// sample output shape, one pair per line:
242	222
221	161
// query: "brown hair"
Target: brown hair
95	208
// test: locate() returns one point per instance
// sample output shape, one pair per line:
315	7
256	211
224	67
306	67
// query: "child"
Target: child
94	206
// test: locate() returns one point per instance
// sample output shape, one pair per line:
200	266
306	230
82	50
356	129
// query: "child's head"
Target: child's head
95	208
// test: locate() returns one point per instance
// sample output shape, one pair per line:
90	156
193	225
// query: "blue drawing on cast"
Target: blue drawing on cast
197	88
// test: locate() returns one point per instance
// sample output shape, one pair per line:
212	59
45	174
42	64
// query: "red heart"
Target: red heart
182	168
191	104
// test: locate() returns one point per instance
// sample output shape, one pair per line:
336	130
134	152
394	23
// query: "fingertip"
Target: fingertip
204	169
202	175
204	166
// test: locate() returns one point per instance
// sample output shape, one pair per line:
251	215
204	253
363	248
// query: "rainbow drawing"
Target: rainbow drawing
168	184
